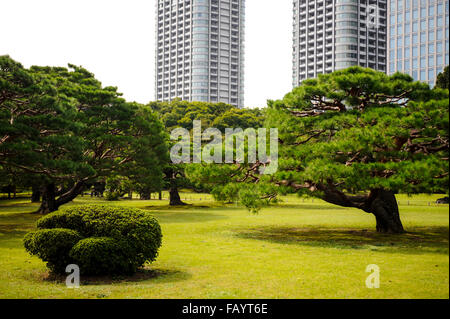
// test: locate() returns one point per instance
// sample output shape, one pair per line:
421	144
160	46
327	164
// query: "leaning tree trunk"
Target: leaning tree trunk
385	208
381	203
52	199
175	199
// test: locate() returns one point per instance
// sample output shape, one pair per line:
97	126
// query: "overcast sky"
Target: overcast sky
114	39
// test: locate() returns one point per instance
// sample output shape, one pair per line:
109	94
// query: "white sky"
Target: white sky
114	39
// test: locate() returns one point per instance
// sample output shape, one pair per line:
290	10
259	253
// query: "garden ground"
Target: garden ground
302	248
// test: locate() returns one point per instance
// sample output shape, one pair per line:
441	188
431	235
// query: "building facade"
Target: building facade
200	50
418	38
335	34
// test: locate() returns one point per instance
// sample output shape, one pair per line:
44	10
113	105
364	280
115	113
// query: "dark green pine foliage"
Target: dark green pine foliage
179	113
62	128
443	79
182	114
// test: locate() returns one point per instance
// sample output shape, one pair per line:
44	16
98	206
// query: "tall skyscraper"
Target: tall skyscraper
200	50
418	38
335	34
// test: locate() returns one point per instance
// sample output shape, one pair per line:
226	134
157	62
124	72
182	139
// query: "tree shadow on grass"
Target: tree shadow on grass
145	274
6	203
15	226
200	206
12	235
308	206
416	241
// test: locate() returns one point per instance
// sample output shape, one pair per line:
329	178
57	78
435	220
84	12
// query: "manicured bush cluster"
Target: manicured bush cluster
53	246
99	239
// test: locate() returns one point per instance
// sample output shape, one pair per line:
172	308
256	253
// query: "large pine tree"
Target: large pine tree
353	138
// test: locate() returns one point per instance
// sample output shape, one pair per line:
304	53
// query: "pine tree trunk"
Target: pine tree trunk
160	195
175	199
381	203
145	195
51	204
36	195
385	208
48	204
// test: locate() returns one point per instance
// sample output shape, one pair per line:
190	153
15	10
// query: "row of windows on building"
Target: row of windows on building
186	66
407	63
229	76
180	36
313	71
407	4
432	22
407	45
198	12
202	37
204	97
225	56
199	23
174	21
180	4
214	44
223	76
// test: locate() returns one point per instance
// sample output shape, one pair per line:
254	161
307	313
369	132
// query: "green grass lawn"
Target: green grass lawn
299	249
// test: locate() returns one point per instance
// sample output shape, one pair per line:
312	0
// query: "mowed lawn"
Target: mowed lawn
299	249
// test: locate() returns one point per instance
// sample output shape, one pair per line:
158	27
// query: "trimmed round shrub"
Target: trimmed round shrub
113	240
52	246
104	255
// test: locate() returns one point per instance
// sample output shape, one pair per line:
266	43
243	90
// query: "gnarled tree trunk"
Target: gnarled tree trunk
381	203
175	199
384	206
53	199
48	203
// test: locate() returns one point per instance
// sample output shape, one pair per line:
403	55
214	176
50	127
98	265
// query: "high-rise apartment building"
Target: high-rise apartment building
335	34
200	50
418	38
